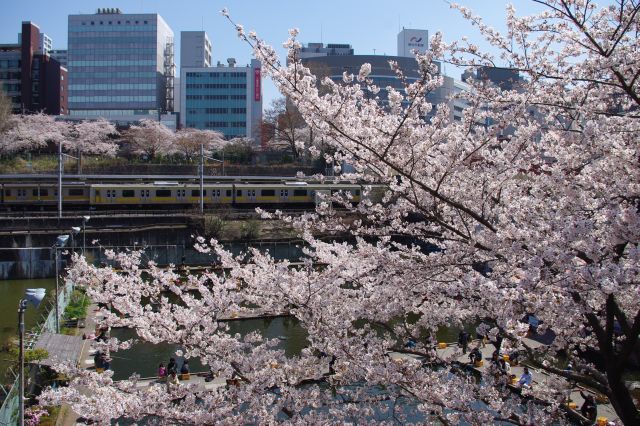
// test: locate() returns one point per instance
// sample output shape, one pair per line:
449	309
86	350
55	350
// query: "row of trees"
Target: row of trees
545	222
34	132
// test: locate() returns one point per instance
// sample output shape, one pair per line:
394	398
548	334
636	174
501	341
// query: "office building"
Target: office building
195	49
59	55
121	66
412	40
227	99
34	82
381	73
313	50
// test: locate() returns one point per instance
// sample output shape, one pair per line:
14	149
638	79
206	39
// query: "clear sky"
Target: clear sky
369	26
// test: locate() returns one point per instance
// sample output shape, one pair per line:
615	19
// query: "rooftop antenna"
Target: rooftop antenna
374	51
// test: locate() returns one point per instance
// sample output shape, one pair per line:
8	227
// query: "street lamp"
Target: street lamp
33	296
61	241
74	230
85	219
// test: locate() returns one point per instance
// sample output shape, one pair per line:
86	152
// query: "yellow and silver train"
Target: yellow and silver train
157	194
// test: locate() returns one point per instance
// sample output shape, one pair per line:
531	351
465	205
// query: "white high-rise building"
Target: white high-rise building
195	49
412	39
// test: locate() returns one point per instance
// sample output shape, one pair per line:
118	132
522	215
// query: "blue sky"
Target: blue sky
367	25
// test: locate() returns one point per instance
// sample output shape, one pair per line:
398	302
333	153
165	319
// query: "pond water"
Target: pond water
143	358
12	291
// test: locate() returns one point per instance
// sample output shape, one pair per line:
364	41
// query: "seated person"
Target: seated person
526	379
475	355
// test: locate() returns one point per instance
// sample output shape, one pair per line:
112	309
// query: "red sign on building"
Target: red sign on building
256	84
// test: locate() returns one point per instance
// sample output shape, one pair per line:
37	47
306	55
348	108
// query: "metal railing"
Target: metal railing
9	409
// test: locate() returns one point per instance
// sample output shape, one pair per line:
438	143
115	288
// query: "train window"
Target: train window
128	193
228	193
44	192
238	193
184	192
196	193
253	192
286	192
108	193
217	192
55	192
268	192
357	192
163	193
7	192
299	192
35	192
97	192
76	191
146	193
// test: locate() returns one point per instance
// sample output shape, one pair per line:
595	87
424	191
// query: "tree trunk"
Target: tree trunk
620	397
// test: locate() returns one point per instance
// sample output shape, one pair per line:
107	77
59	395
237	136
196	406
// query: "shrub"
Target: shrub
250	230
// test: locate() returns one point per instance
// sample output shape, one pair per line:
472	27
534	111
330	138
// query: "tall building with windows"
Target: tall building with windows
33	81
121	66
195	49
312	50
227	99
59	55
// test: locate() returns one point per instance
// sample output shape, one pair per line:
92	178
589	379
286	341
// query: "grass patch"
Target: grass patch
78	305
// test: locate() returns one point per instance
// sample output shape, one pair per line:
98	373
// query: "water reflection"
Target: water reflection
143	358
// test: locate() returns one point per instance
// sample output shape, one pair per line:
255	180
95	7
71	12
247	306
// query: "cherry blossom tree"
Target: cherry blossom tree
92	137
31	132
5	112
151	138
188	142
34	131
472	225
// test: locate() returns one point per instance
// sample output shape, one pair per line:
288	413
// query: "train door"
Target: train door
21	194
251	195
110	196
181	195
284	195
144	196
216	195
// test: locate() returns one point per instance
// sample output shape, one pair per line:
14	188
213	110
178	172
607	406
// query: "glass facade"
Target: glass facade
116	64
224	99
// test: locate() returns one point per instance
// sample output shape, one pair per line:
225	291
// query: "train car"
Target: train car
160	194
26	195
296	193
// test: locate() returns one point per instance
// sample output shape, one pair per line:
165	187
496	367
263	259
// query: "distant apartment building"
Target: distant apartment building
121	67
381	74
33	81
59	55
329	63
195	49
313	50
227	99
